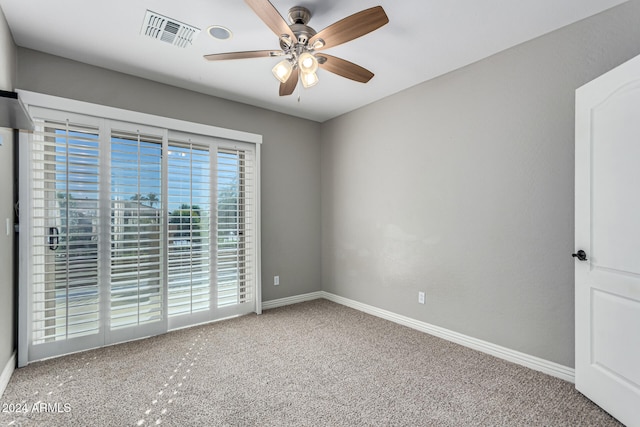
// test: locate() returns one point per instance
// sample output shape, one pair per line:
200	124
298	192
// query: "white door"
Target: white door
607	221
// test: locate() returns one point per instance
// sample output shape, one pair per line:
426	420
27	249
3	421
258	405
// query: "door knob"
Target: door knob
581	255
54	238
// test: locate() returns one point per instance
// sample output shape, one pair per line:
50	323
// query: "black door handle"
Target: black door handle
581	255
54	238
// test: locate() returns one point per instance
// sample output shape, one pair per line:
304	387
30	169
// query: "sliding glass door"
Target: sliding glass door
191	251
65	223
235	232
136	215
132	231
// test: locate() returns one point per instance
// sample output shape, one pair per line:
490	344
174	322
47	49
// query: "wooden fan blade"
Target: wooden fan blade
243	55
270	15
351	27
289	86
344	68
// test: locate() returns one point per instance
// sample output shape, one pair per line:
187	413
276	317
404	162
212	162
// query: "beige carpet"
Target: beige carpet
311	364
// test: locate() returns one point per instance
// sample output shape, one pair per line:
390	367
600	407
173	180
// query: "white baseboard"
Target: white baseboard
7	372
266	305
523	359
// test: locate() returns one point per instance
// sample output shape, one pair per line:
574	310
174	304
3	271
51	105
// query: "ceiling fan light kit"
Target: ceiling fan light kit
299	43
307	63
309	79
283	70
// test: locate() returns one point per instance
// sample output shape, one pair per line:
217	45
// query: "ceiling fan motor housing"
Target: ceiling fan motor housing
299	17
303	33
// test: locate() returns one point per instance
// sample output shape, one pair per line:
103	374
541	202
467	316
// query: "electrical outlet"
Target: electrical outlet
421	297
276	280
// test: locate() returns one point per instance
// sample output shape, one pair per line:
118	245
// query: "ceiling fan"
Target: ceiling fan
300	43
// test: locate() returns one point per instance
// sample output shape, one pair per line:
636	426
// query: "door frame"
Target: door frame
35	100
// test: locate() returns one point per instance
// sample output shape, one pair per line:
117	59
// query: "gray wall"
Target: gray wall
463	187
290	166
7	79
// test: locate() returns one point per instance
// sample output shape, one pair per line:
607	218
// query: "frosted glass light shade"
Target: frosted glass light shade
283	70
309	79
307	63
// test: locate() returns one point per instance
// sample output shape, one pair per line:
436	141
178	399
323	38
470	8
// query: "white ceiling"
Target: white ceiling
424	39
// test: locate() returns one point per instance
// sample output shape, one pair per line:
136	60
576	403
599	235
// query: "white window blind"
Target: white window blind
65	222
235	226
136	229
189	246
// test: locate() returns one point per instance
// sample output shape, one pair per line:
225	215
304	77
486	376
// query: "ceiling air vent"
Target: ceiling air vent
168	30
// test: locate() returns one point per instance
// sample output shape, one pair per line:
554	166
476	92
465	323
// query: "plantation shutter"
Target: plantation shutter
189	242
136	296
65	218
236	233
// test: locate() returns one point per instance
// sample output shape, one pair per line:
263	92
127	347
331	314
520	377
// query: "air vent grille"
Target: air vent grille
168	30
